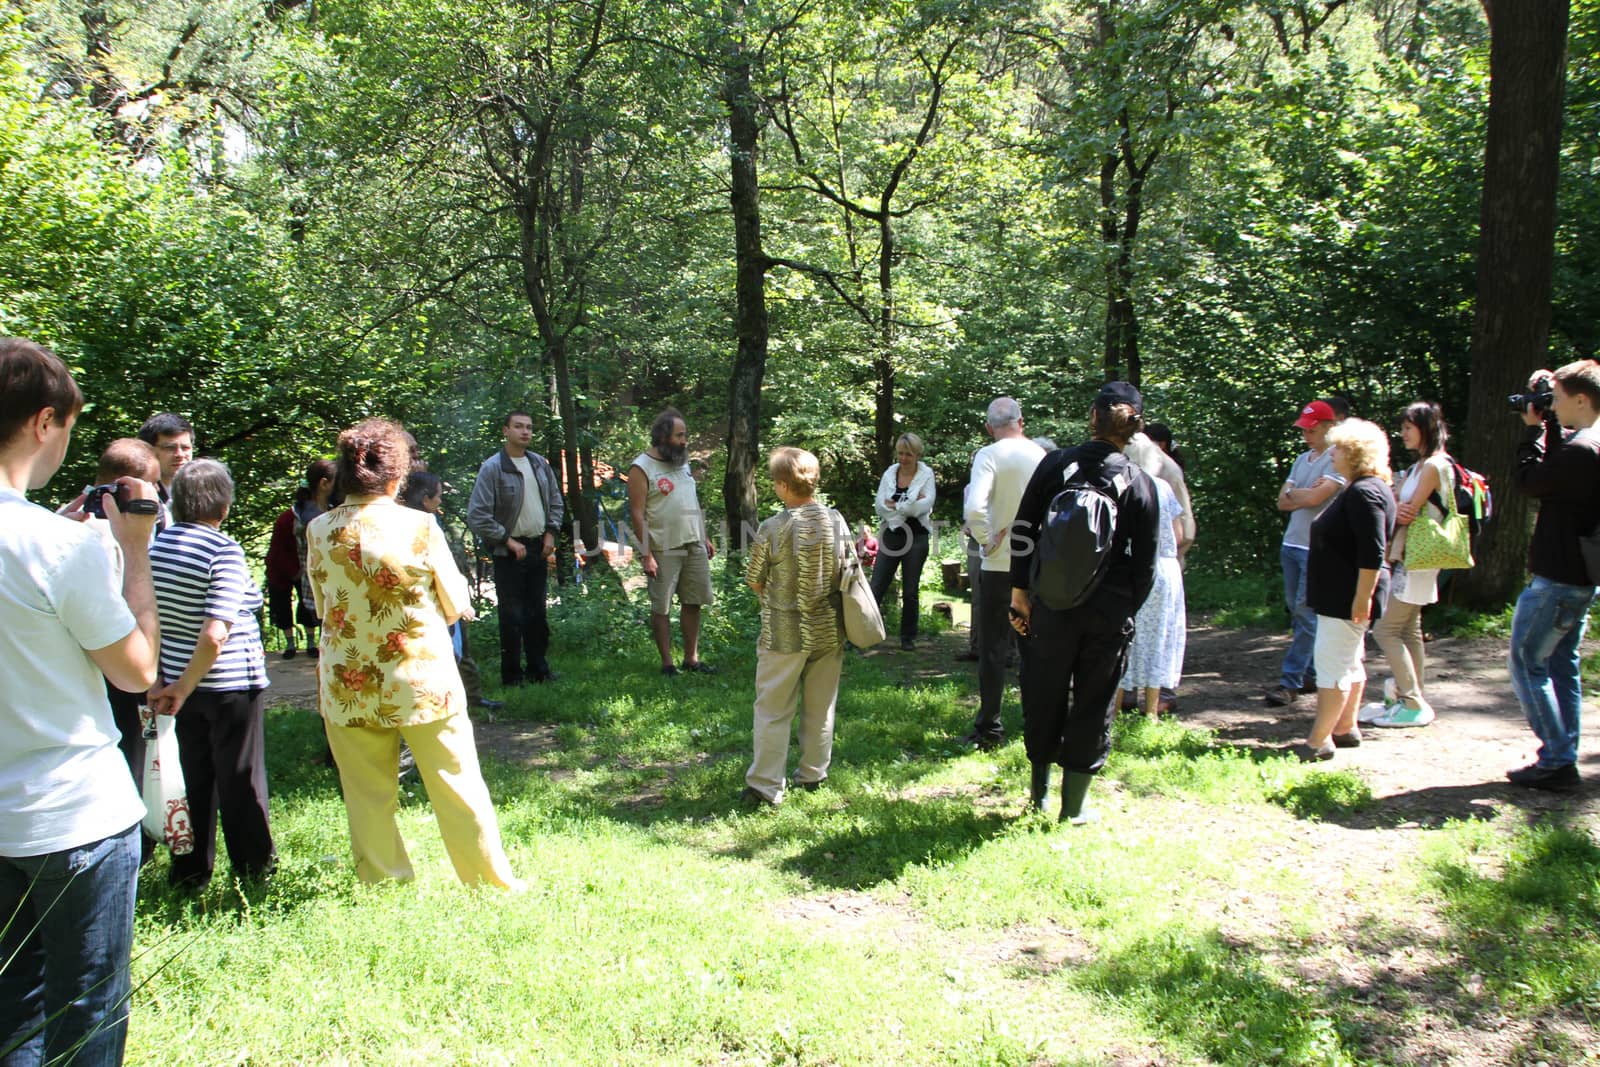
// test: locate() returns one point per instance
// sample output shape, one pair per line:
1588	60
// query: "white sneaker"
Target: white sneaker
1399	715
1371	713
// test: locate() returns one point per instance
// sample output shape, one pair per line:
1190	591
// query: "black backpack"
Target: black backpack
1076	536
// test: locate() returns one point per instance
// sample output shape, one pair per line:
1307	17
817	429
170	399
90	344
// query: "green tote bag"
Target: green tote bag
1434	544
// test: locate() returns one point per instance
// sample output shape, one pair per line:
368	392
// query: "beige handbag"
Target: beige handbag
863	623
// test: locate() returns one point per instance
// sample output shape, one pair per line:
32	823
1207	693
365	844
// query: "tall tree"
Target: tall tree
522	136
1511	322
746	115
1127	75
854	123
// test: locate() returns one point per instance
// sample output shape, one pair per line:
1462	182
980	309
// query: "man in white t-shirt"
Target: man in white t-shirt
1000	472
516	511
69	813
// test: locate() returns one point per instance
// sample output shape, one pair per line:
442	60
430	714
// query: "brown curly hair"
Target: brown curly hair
373	454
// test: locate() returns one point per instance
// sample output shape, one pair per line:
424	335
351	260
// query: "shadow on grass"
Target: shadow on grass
882	837
1519	942
1533	928
1474	802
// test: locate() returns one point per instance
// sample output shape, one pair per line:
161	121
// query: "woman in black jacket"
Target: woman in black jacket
1348	544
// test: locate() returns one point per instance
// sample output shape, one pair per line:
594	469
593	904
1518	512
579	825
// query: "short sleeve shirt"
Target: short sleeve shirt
384	580
63	781
200	573
671	504
794	557
1308	470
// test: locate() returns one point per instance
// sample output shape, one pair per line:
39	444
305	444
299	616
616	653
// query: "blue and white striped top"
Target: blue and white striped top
200	574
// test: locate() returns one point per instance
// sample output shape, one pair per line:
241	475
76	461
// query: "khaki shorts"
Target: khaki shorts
684	570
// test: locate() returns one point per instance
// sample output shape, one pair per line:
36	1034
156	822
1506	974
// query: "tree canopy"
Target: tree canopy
277	217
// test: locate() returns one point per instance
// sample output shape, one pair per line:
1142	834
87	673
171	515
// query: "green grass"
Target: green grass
908	914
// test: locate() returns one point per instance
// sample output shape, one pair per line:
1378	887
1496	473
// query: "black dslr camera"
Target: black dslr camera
1541	401
1541	397
92	501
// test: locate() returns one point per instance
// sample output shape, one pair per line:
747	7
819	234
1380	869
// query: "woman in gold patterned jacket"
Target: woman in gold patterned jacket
387	591
793	566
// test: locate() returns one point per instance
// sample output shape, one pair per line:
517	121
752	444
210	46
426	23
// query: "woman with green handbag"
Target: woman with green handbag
1423	492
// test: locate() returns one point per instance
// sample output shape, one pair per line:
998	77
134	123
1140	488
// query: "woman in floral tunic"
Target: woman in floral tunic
387	591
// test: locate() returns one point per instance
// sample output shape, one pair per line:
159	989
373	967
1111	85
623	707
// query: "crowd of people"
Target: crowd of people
135	595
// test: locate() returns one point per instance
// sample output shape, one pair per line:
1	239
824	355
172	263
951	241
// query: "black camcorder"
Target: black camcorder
92	501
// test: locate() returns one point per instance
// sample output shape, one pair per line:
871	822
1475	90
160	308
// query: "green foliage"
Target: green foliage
1323	793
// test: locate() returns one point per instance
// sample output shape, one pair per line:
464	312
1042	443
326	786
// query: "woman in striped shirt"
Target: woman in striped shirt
213	676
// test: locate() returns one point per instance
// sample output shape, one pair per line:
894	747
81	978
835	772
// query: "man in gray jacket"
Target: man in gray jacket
516	510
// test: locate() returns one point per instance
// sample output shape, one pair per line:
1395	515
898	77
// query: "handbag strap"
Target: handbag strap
1447	504
845	560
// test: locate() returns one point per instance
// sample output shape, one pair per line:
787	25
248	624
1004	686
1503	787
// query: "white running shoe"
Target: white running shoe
1372	712
1400	715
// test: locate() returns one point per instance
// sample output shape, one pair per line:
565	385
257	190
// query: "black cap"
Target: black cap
1113	393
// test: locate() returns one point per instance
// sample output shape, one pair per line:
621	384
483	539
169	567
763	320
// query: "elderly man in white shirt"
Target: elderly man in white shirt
1000	472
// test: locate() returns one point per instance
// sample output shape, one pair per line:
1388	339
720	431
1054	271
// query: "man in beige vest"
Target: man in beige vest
671	532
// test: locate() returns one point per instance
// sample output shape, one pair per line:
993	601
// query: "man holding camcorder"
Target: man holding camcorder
1562	472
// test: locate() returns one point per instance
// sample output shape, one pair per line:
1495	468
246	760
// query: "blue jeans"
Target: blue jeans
1297	661
64	953
1546	630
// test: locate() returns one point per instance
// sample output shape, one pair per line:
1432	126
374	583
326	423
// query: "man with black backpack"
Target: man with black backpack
1563	473
1089	517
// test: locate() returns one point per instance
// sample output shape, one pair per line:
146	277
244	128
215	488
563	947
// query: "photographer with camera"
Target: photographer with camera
69	813
1562	472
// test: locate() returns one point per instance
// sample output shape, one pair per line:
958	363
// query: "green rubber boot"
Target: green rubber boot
1039	786
1074	788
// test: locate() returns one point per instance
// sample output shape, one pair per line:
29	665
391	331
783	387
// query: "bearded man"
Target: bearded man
670	529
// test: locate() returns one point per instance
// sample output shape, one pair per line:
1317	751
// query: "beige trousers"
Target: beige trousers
1399	635
782	678
447	759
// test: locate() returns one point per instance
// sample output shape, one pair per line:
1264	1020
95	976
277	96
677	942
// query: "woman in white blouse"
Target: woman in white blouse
903	503
1399	632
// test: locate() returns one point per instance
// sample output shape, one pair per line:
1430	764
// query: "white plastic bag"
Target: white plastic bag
166	801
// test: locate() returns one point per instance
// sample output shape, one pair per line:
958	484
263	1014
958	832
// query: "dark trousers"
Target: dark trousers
222	749
519	585
125	710
1072	663
992	618
974	569
907	551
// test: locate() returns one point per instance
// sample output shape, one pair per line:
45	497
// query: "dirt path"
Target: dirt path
1454	768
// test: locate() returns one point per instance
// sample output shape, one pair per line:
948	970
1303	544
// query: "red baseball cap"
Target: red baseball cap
1315	412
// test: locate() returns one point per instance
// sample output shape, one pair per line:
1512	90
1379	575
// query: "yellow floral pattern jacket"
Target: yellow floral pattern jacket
385	584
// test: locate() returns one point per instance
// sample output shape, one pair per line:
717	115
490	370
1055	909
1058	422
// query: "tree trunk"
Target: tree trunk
577	498
750	290
1516	249
883	434
1121	359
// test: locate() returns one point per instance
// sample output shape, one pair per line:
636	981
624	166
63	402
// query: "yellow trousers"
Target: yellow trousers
447	759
